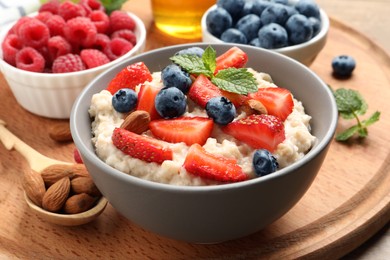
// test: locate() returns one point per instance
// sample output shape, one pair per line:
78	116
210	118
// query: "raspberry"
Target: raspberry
125	34
34	33
56	25
19	23
91	5
30	59
101	41
120	20
69	10
117	47
101	20
50	6
58	46
43	16
93	58
76	156
68	63
10	46
80	30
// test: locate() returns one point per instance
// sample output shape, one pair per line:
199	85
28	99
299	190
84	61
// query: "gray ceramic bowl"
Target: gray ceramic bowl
211	214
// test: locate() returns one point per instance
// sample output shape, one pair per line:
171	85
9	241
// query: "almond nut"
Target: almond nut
84	185
137	122
60	132
34	186
56	195
79	203
79	170
55	172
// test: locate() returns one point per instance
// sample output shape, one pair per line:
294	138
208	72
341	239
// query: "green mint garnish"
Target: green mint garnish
109	5
233	80
350	105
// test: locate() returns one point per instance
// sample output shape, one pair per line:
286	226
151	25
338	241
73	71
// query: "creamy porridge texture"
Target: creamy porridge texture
298	140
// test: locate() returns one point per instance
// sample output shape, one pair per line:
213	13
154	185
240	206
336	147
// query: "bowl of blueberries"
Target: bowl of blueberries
295	28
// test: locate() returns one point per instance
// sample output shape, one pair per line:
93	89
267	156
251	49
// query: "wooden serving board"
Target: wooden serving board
347	203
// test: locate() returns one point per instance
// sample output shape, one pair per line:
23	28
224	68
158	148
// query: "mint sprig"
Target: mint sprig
351	105
239	81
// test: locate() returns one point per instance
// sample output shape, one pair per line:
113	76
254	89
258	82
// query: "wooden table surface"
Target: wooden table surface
370	17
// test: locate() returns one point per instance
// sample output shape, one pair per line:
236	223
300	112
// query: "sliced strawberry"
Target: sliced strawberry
130	77
278	101
146	97
202	90
141	147
201	163
258	131
189	130
233	58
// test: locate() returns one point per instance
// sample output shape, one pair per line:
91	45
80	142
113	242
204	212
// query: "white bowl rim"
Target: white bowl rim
141	41
325	23
91	155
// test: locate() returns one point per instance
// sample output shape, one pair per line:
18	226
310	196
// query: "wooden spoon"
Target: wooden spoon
38	162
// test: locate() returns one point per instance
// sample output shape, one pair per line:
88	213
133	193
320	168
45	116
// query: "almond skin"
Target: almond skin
56	172
84	185
56	195
79	203
34	186
137	122
61	132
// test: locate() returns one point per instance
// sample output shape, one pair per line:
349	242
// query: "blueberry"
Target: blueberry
234	36
246	9
264	162
343	65
221	110
276	13
273	36
299	29
173	76
249	25
233	7
316	24
124	100
191	51
308	8
283	2
255	42
259	6
170	102
218	21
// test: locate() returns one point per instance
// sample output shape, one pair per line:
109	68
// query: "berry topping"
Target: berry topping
124	100
117	47
170	102
258	131
278	101
189	130
343	65
173	76
34	33
141	147
93	58
146	100
30	59
264	162
130	77
233	58
201	163
68	63
191	51
76	156
221	110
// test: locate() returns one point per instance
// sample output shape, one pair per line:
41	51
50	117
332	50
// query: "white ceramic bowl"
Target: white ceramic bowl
209	214
304	52
52	94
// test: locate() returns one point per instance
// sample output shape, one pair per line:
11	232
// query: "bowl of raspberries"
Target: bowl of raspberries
295	28
48	57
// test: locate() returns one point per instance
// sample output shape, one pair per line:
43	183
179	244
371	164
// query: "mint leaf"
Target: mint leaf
112	5
192	64
209	58
345	135
235	80
349	102
373	118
